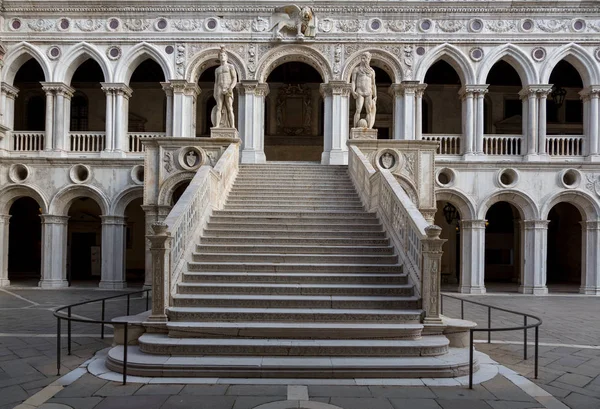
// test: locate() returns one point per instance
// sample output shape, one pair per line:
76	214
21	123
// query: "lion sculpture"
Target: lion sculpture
292	17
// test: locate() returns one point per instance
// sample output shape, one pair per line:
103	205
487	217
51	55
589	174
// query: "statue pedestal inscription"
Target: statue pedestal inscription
224	133
363	133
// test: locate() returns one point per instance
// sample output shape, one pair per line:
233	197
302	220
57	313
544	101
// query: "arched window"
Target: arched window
79	113
36	113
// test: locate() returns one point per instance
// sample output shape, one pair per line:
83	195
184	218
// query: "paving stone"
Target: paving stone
257	390
414	404
362	403
554	391
401	392
339	391
478	392
40	383
85	386
204	390
12	394
117	389
574	379
132	402
250	402
577	389
197	401
78	403
578	401
503	389
159	390
457	404
498	404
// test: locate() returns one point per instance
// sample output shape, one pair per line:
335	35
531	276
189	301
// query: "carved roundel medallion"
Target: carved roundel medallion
578	25
54	53
388	159
161	24
113	24
475	25
191	158
211	24
476	53
538	53
421	50
15	24
425	25
114	53
527	25
597	53
64	24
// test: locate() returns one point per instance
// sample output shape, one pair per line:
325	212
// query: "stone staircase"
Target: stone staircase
293	278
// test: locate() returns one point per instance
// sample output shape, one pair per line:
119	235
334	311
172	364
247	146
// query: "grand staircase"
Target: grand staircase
293	278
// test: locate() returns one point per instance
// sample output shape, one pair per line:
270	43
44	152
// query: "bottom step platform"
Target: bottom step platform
453	364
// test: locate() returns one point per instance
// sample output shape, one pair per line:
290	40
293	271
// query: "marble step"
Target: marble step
236	314
294	330
298	226
269	202
252	240
249	194
305	234
253	288
241	189
296	258
297	267
160	343
343	214
307	185
329	200
297	249
295	278
267	220
295	301
292	207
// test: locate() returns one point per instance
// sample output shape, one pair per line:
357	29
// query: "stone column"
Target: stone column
479	91
113	252
49	126
251	120
590	247
467	95
4	229
180	116
431	275
472	261
160	247
62	115
336	102
109	124
7	101
542	94
166	86
153	214
591	120
54	251
419	111
531	117
121	116
535	238
405	102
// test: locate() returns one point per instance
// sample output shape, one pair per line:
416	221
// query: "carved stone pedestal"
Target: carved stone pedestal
224	133
363	133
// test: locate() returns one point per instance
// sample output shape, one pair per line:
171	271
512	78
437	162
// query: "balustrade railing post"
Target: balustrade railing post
69	331
430	274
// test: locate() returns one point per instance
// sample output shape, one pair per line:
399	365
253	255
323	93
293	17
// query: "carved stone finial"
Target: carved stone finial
433	231
159	228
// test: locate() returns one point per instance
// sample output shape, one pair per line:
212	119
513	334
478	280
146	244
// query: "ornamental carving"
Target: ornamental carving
168	161
450	26
350	49
298	20
88	25
236	25
409	163
252	58
349	26
292	100
41	25
551	26
401	26
260	24
137	24
326	25
187	25
593	183
501	26
337	59
180	59
594	26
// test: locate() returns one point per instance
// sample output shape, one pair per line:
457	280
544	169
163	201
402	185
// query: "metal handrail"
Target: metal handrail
59	314
489	330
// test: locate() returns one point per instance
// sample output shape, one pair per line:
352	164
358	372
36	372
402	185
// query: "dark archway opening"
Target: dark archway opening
448	218
564	116
503	106
563	263
148	102
30	104
24	240
502	247
178	192
84	238
135	242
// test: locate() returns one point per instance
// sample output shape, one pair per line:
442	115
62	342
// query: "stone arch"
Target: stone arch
19	55
453	56
11	193
409	188
60	203
577	56
77	56
522	202
458	199
169	186
295	53
514	56
207	58
587	206
120	203
138	54
379	58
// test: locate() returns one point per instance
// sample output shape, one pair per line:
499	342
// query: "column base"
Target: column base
543	290
334	157
253	156
231	133
112	285
4	282
363	133
589	290
472	290
49	284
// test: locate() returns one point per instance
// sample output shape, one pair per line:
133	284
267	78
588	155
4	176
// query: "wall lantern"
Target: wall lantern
450	213
558	94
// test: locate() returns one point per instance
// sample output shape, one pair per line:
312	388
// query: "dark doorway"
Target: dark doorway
24	240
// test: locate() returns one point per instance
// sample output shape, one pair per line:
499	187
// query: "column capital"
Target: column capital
535	89
260	89
54	219
473	90
58	88
473	224
10	90
535	224
181	87
406	87
117	88
112	220
4	218
331	88
593	91
591	224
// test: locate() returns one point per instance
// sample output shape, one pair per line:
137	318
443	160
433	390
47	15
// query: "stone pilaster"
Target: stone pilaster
160	247
467	97
4	230
472	236
590	283
180	112
54	251
8	94
336	103
542	92
407	109
251	120
113	252
431	274
535	240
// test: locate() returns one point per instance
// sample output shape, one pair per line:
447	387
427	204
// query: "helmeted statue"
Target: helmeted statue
364	92
225	81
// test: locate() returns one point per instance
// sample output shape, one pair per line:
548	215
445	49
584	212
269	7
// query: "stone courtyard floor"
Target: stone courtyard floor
569	364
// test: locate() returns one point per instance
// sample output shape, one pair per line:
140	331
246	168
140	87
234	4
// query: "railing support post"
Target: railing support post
160	248
525	338
471	359
102	318
58	334
535	371
69	332
430	274
125	336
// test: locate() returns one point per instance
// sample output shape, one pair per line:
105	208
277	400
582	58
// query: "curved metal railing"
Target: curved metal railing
489	329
